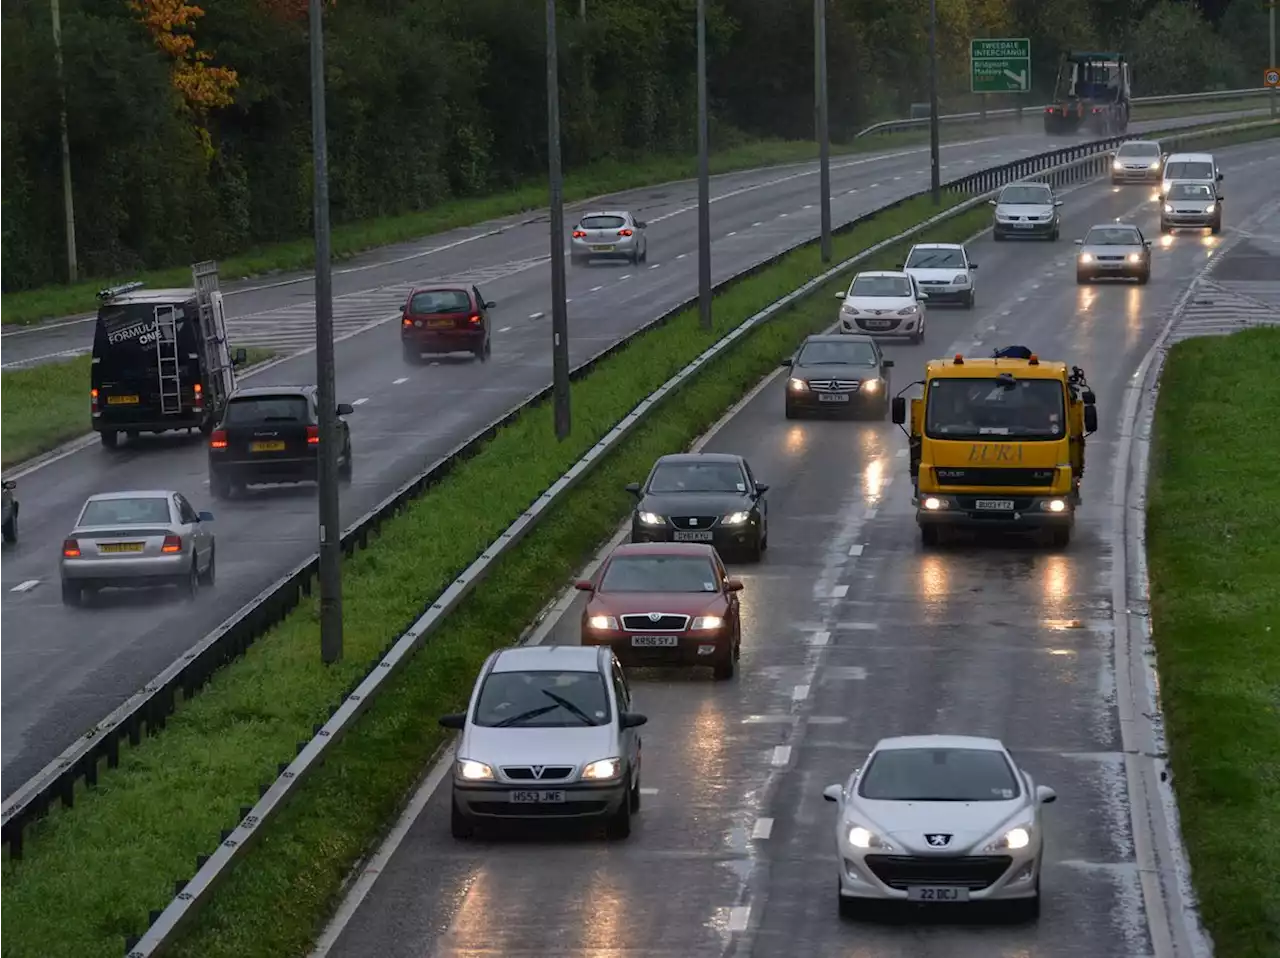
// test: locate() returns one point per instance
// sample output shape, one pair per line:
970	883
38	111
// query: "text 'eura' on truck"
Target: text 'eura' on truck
998	444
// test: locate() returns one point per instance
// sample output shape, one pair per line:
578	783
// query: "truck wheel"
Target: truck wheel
1060	537
929	535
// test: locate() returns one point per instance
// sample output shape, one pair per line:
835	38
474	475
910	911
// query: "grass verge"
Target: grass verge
1162	111
173	794
1214	505
47	405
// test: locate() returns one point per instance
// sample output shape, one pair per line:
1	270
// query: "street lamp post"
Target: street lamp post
330	522
935	171
68	207
559	308
704	178
824	137
1275	90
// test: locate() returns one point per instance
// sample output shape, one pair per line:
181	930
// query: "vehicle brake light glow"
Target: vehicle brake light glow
199	397
408	321
624	232
579	234
473	319
71	549
218	440
313	435
172	544
93	401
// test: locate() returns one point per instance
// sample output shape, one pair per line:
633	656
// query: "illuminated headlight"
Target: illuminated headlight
797	385
1054	505
1117	165
933	503
1211	207
603	622
860	837
1014	838
1086	257
961	280
1154	166
1134	258
474	771
603	770
651	519
870	386
908	311
736	518
1168	207
707	622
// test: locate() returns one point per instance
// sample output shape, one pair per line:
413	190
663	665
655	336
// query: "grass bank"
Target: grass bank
220	747
1161	111
47	405
1213	553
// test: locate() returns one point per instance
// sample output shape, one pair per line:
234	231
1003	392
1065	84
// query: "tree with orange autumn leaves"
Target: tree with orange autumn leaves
203	87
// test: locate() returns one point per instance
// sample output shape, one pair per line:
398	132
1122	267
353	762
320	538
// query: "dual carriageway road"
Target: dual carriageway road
851	632
66	668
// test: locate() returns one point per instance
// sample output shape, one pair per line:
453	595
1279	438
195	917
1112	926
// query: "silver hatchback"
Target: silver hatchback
548	734
138	538
611	234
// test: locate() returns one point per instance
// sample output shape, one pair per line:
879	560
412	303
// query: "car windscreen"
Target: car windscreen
253	409
603	222
542	700
1190	191
1136	150
925	258
111	512
698	477
1025	196
896	286
1188	170
825	353
653	573
440	301
988	408
1112	236
938	775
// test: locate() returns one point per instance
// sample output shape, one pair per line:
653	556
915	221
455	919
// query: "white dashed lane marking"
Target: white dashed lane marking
839	592
781	754
820	638
739	916
855	550
763	828
538	315
25	586
402	379
361	402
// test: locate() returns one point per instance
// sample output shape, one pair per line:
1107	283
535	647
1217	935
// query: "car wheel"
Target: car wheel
411	355
1081	278
791	412
1165	227
1060	537
633	796
346	468
929	535
460	825
1216	228
997	236
1144	277
848	907
1025	909
917	337
210	574
219	486
755	551
71	592
1053	237
191	584
618	825
109	438
11	528
723	670
969	299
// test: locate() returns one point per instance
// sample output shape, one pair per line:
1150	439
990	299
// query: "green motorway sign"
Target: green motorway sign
1000	66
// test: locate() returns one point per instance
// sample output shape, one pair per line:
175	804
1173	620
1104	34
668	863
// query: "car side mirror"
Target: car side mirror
1147	244
1057	202
10	484
898	410
345	409
1079	242
205	516
490	304
1220	177
922	296
761	488
833	793
633	488
1090	418
788	362
632	720
240	357
992	203
887	364
733	585
1045	795
973	265
584	585
457	721
642	225
840	296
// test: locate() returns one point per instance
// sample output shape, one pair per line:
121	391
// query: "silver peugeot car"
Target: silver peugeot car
609	234
1026	209
939	819
548	734
138	538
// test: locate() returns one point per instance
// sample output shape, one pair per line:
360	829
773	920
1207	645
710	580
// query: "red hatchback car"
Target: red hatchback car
445	319
665	603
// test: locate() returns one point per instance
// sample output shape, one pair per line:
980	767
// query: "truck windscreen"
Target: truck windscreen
985	408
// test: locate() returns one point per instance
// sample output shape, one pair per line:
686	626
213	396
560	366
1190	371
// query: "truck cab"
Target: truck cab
998	443
1092	92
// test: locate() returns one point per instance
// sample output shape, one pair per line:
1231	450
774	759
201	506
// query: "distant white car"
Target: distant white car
939	818
943	271
883	303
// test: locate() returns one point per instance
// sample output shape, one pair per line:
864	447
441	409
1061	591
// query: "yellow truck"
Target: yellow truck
998	443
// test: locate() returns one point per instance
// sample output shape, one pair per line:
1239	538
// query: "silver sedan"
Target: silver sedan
609	234
1113	251
138	538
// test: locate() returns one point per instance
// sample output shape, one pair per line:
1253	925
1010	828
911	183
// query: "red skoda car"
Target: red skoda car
445	319
665	603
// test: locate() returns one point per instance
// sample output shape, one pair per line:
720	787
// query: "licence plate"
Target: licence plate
1022	226
1006	504
439	323
654	641
937	893
876	323
696	535
602	249
274	445
833	397
120	547
122	400
530	797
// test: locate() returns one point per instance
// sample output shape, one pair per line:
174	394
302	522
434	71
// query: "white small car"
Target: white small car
1194	167
939	819
884	303
944	271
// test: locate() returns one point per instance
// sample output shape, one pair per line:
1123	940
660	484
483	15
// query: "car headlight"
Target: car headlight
1054	505
1086	257
651	519
1168	207
603	622
907	311
474	771
707	622
1017	837
870	386
934	503
849	310
797	385
735	518
1211	207
1134	258
860	837
1117	165
961	279
602	770
1154	166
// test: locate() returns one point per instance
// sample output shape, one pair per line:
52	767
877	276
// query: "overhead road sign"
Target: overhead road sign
1000	65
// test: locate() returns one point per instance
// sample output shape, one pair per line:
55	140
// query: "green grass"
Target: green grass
1214	558
142	828
47	405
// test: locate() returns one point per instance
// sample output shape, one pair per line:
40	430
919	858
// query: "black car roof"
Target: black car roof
253	391
839	338
702	457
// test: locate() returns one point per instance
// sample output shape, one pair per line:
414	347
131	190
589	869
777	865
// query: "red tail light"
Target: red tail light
93	401
199	398
473	319
172	544
71	548
579	234
313	435
218	440
624	232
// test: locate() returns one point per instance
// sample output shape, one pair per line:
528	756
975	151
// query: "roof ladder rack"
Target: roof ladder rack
205	278
170	370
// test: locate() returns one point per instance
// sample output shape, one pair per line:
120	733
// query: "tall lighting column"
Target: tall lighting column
559	308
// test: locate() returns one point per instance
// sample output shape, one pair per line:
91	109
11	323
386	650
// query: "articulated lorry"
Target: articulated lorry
998	443
1091	93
